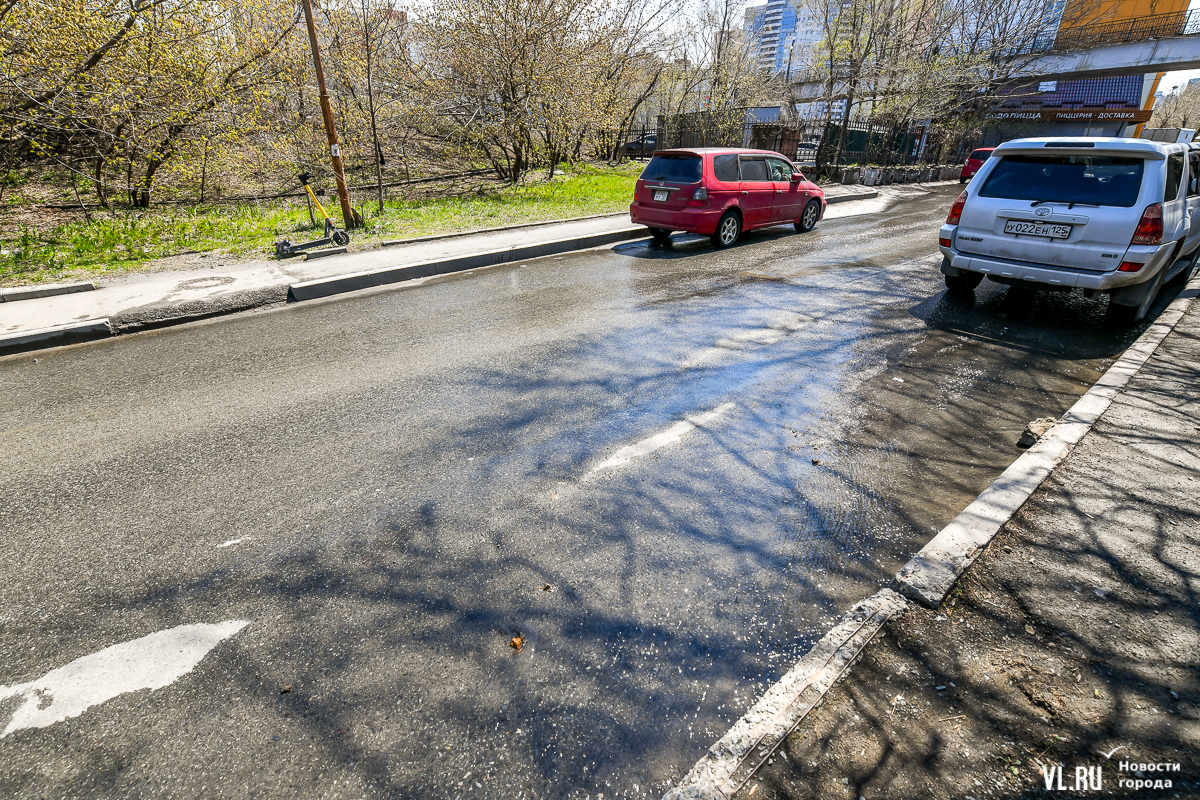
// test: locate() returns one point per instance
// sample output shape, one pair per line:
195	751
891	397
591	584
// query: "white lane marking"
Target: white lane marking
670	436
151	662
232	542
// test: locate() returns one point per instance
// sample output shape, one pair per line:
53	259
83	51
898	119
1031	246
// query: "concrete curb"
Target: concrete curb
56	335
33	292
932	572
732	761
479	231
339	284
332	251
846	198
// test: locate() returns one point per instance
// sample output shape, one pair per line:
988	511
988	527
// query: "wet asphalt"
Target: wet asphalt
394	488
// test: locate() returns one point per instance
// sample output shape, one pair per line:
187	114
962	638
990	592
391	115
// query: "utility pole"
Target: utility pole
335	151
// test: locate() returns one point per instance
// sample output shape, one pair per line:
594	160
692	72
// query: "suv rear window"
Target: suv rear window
677	169
1086	180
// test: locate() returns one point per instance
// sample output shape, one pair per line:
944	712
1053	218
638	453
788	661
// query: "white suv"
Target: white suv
1120	216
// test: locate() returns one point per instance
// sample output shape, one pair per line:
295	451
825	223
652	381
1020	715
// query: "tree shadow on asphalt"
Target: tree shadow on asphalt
394	632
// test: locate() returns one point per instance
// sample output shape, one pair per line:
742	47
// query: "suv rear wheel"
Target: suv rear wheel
1182	276
1124	316
728	229
963	285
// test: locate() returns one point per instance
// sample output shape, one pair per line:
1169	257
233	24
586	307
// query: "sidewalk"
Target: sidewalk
202	285
1074	635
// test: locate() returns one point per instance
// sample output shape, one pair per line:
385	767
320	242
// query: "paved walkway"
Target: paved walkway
1072	644
209	284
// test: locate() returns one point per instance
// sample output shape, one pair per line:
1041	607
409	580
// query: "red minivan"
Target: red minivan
721	192
974	162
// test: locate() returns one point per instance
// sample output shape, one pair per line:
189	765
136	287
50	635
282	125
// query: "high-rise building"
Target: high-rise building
777	30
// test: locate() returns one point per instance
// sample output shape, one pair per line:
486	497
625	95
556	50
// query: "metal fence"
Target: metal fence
813	144
1154	26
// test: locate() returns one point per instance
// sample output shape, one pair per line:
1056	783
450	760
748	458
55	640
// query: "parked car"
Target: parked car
722	192
974	162
1118	216
642	145
806	152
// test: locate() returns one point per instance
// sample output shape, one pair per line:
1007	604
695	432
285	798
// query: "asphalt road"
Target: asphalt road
288	553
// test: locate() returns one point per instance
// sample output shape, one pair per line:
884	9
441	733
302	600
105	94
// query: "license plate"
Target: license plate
1037	229
661	196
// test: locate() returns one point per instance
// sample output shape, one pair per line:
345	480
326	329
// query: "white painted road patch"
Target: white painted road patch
232	542
670	436
151	662
736	342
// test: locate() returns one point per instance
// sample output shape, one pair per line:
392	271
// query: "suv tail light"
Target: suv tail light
1150	227
699	197
956	210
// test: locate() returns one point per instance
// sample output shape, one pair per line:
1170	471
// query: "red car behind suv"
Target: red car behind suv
722	192
974	162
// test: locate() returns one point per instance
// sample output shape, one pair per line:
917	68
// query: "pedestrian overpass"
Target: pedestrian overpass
1155	43
1136	46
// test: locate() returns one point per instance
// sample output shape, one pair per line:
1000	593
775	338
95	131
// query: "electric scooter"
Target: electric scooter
286	249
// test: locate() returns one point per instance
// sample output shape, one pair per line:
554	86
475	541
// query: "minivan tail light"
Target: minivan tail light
699	197
1150	226
956	210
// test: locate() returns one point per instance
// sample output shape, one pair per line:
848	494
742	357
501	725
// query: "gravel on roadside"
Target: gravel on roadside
1072	644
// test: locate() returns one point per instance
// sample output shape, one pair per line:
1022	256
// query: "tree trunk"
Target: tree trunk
101	190
203	170
371	108
837	161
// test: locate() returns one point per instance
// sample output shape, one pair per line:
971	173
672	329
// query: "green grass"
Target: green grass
127	240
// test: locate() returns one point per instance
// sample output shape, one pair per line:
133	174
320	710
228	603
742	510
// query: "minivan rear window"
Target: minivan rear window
725	167
676	169
980	155
1085	180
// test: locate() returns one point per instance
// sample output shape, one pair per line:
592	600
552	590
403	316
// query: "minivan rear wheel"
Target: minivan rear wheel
729	228
963	285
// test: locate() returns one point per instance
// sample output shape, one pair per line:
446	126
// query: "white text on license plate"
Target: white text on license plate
661	196
1037	229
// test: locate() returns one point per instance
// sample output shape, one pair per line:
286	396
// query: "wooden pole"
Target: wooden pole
335	152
